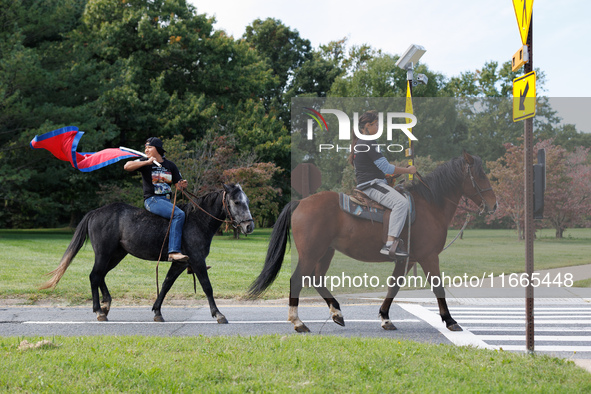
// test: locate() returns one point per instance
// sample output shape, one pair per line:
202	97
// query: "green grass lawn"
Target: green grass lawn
275	364
482	252
26	255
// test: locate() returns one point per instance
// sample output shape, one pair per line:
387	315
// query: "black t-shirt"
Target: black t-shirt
365	168
156	181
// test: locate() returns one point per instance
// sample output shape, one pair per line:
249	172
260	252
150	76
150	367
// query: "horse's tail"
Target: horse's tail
275	253
73	248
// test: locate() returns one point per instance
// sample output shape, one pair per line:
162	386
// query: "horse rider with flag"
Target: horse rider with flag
158	173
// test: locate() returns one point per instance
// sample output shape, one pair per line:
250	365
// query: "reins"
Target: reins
190	197
162	248
232	221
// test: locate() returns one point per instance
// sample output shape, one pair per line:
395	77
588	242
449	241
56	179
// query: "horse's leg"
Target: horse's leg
116	258
294	300
400	270
333	304
431	268
200	269
97	279
176	268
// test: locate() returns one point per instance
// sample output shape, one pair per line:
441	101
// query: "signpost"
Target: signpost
522	110
409	152
524	97
407	62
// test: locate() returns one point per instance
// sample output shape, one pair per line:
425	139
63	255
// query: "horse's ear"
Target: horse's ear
468	157
227	188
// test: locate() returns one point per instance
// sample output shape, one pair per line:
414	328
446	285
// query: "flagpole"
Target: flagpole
137	152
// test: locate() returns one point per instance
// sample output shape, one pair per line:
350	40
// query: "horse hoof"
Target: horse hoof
159	319
339	320
455	327
105	310
388	326
222	320
301	328
102	318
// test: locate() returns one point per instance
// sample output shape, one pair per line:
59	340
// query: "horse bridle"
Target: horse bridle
477	187
233	222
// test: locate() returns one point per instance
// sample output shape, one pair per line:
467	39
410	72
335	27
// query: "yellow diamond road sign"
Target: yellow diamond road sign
523	10
524	97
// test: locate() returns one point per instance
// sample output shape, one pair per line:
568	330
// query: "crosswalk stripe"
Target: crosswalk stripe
549	338
522	312
549	348
537	329
554	324
521	321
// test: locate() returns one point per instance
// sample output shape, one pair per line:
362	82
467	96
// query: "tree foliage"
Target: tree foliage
568	191
125	70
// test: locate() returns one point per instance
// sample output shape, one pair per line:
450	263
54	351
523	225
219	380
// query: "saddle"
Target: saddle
358	204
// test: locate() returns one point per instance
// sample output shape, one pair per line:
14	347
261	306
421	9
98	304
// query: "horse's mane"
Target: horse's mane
445	180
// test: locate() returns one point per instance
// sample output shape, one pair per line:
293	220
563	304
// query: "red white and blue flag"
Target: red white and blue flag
62	143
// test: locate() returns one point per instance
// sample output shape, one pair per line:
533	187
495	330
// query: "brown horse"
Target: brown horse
320	227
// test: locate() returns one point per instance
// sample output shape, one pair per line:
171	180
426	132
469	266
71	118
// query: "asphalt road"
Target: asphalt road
562	328
244	319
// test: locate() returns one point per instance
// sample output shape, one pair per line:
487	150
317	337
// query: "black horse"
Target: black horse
118	229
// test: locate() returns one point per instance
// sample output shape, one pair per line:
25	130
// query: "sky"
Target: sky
459	35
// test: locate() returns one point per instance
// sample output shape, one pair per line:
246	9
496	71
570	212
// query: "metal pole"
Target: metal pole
411	159
529	206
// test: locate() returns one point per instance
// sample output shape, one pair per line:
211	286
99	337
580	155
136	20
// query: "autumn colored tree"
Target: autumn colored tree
217	160
568	190
567	200
506	174
256	183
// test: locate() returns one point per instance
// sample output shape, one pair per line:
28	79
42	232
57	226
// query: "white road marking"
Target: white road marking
569	320
373	321
459	338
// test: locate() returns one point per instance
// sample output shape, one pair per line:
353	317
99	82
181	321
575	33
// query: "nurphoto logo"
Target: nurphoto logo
344	132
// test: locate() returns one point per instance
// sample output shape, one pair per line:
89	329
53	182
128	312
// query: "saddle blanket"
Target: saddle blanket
370	213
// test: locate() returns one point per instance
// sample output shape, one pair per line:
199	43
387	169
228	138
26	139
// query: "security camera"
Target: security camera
410	57
421	79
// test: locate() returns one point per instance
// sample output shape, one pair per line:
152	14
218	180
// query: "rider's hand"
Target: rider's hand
183	183
412	169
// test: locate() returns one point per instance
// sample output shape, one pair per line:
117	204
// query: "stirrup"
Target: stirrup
396	249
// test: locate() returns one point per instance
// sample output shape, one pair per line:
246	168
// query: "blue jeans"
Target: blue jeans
161	206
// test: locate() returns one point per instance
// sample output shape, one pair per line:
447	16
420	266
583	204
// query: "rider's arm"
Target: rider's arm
384	166
391	169
134	165
405	170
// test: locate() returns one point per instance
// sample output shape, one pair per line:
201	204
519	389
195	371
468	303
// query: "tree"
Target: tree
282	47
119	70
567	200
567	196
256	183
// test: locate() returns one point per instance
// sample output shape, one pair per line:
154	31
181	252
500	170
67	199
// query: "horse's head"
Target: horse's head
477	186
237	205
